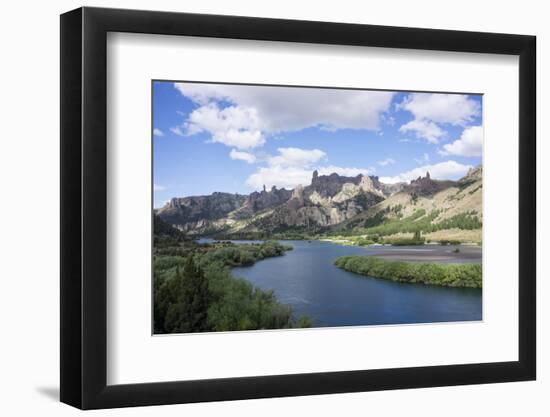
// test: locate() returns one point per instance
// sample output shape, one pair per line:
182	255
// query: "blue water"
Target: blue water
306	279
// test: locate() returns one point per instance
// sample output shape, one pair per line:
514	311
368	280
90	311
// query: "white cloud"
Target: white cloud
281	177
256	112
424	129
345	171
449	170
235	126
469	144
455	109
157	132
290	177
386	162
294	166
242	156
430	111
296	157
157	187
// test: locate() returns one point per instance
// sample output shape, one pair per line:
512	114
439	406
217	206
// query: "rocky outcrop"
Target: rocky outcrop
180	211
328	201
260	201
473	174
330	185
425	186
391	189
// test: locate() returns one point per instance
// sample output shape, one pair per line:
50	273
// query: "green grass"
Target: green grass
420	221
449	275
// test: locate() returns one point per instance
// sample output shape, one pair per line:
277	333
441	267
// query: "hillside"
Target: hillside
338	205
328	200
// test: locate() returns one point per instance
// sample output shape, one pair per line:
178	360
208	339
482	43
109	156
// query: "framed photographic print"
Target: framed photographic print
258	207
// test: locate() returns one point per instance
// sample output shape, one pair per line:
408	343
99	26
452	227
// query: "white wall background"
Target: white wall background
29	228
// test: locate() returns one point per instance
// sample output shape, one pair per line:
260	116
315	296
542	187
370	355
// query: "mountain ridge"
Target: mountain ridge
328	202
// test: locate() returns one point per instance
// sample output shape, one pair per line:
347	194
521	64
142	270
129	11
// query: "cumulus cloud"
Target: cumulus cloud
294	166
292	157
345	171
469	144
290	177
256	112
431	111
234	126
242	156
449	170
386	162
158	132
455	109
423	129
281	177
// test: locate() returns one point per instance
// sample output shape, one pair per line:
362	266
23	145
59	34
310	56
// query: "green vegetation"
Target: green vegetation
465	184
230	254
475	189
377	228
419	221
403	241
417	239
350	240
450	275
464	221
194	290
292	233
376	219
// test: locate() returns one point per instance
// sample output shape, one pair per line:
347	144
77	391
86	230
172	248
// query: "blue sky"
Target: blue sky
236	138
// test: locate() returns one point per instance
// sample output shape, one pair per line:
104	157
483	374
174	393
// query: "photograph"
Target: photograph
279	207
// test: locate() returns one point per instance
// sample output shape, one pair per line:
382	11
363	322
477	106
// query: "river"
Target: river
306	279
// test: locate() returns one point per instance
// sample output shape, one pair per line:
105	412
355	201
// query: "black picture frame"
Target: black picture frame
84	207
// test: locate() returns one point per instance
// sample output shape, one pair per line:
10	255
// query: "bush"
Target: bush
450	275
198	293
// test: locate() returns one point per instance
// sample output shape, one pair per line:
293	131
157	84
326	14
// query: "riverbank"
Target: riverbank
467	275
453	236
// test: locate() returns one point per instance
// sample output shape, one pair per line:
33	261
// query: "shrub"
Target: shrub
451	275
198	293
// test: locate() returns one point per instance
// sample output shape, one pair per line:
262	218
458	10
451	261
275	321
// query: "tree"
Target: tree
189	312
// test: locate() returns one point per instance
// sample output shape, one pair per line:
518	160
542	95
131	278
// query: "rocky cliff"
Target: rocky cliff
328	201
198	213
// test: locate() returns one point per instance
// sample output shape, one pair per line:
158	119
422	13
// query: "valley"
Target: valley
339	251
